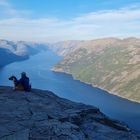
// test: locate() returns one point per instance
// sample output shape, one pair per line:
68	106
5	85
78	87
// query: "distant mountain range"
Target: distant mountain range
64	48
17	51
112	64
6	57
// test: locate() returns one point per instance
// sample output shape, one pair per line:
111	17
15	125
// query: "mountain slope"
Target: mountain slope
64	48
22	48
112	64
7	57
41	115
16	51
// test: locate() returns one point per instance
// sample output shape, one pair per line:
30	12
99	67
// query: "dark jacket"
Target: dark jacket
24	80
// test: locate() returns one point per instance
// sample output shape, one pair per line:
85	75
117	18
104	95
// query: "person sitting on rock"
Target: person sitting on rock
24	80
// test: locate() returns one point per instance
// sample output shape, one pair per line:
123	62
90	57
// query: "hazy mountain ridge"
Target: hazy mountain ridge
21	47
17	51
64	48
7	57
111	63
42	115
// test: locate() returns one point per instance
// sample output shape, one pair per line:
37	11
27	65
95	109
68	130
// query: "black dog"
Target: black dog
16	86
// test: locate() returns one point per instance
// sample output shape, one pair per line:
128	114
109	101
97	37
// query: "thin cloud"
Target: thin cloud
9	11
117	23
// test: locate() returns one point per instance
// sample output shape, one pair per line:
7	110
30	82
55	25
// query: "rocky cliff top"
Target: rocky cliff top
41	115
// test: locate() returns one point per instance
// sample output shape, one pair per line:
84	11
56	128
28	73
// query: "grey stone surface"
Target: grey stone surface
19	135
41	115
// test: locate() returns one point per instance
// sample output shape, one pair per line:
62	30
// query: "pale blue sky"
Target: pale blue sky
68	8
57	20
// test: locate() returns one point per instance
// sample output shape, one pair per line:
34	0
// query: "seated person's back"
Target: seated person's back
24	80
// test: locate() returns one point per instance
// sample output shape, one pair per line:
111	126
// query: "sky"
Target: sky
59	20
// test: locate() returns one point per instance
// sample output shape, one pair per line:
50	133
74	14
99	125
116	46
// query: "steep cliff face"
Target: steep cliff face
41	115
112	64
17	51
6	57
22	48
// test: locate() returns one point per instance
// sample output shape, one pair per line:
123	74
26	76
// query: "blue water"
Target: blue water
38	69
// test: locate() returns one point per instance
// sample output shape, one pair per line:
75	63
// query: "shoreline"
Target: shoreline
111	93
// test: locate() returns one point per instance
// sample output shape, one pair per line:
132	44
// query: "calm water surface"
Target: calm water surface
38	69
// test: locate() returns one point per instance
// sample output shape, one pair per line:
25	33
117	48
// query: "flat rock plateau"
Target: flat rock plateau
41	115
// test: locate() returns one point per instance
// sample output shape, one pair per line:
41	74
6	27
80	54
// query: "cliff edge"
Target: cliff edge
41	115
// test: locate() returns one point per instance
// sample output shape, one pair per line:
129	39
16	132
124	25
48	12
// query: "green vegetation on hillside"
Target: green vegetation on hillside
115	68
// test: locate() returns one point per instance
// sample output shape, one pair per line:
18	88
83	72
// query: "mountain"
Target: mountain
112	64
41	115
7	57
22	48
64	48
27	48
17	51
